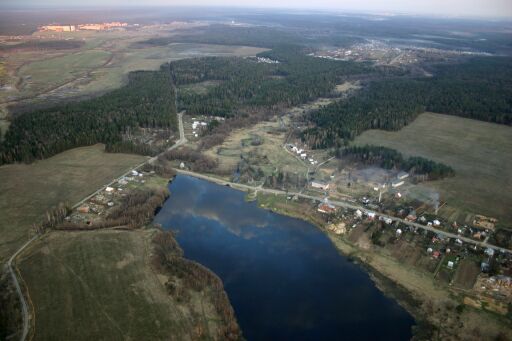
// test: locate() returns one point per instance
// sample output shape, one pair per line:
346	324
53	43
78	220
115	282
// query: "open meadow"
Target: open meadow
28	191
479	152
100	64
101	285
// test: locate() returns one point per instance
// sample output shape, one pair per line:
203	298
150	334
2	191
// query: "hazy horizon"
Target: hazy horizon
445	8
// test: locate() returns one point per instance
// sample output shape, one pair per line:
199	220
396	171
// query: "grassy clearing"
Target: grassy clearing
200	88
28	191
100	285
479	152
228	153
49	73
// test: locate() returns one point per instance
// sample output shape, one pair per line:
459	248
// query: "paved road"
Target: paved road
344	204
9	265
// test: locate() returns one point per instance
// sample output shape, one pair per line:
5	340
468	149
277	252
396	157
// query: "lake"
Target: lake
283	276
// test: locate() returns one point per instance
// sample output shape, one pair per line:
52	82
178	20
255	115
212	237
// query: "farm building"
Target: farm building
319	184
397	183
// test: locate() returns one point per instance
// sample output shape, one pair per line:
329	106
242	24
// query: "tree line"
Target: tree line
388	158
187	276
146	101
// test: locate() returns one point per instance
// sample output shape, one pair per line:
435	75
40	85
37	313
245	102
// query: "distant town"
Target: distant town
84	27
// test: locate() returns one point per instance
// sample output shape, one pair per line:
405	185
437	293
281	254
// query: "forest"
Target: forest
246	90
146	101
247	85
480	88
388	158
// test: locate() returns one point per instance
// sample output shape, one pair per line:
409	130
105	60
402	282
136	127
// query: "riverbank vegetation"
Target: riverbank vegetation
186	277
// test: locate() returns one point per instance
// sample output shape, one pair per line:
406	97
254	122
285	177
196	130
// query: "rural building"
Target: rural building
359	214
326	208
319	184
397	183
371	215
489	252
411	216
402	175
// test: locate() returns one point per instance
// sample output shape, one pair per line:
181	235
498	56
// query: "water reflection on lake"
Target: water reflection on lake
284	278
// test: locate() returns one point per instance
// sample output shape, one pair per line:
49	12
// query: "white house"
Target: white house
397	183
319	184
402	175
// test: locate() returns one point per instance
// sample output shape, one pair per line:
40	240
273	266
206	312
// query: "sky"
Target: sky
450	8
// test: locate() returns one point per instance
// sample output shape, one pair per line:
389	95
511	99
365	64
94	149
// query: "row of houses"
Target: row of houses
302	153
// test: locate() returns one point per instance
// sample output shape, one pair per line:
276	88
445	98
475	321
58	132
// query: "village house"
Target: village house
326	208
397	183
359	214
402	175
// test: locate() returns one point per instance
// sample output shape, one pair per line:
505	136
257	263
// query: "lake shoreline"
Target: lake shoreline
430	304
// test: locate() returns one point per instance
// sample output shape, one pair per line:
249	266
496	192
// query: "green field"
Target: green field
28	191
479	152
100	285
47	74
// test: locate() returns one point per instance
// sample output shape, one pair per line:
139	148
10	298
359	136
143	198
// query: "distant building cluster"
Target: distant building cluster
83	27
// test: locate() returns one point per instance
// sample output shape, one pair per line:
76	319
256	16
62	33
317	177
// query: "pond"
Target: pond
283	276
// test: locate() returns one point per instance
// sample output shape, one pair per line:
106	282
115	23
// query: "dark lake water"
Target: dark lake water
284	278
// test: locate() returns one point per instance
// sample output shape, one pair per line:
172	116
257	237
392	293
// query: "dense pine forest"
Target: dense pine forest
245	83
146	101
391	159
479	89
